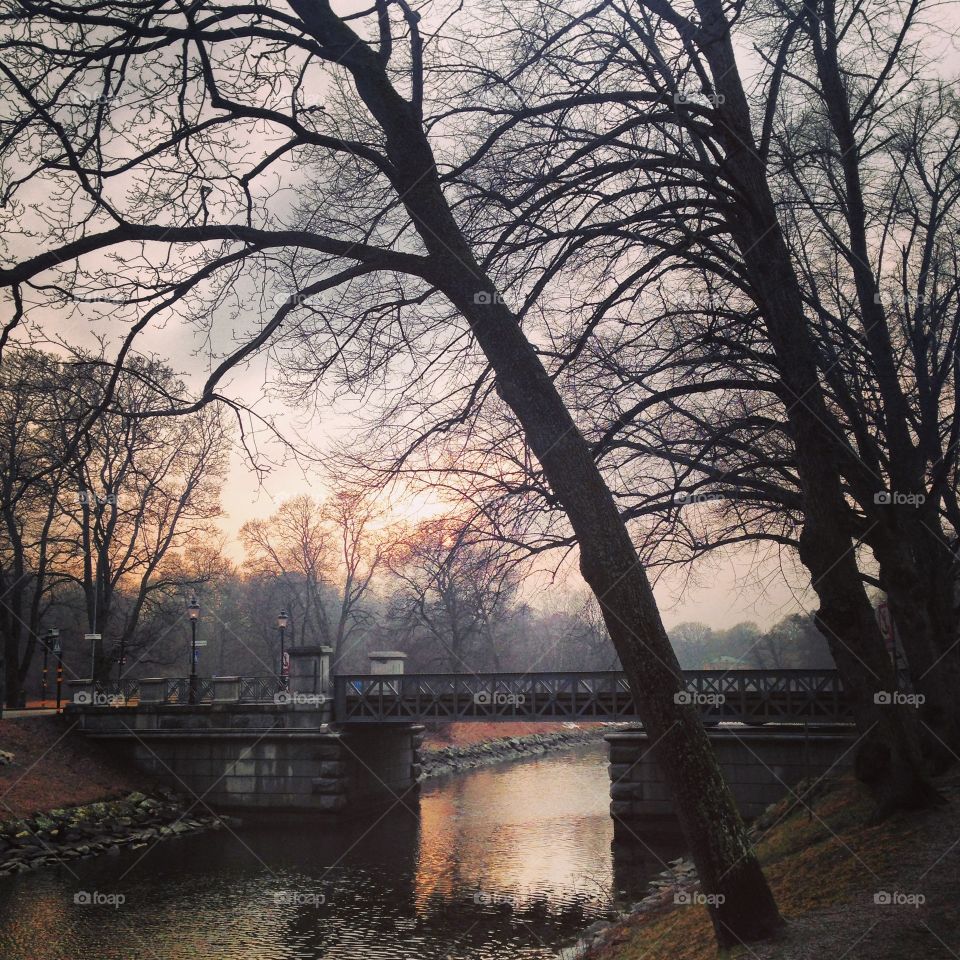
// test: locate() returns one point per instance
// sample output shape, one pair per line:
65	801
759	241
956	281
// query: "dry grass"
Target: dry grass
823	867
55	767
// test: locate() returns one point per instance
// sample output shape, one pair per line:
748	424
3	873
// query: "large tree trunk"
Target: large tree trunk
12	603
745	910
901	534
888	757
921	604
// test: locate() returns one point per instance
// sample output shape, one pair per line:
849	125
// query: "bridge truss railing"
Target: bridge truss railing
747	696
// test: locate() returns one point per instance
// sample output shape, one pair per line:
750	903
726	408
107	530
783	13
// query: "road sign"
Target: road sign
57	647
201	643
94	638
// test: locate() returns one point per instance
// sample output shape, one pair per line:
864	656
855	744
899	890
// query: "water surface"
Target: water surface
510	861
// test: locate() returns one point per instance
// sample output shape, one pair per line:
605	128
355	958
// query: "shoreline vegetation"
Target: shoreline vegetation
440	758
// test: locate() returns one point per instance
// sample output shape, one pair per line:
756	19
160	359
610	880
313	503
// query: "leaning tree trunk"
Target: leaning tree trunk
888	756
744	910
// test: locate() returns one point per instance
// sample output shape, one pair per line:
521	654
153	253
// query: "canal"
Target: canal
503	862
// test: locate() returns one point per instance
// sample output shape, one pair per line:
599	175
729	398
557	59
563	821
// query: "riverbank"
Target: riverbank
72	833
53	766
846	888
64	797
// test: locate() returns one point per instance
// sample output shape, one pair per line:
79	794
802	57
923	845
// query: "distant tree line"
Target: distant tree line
792	643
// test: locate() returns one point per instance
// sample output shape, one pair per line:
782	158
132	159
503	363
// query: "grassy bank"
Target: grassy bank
54	766
831	871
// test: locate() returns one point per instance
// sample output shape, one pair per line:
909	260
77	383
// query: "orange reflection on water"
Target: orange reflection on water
535	831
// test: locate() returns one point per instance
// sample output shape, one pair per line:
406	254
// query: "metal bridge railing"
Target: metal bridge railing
261	689
748	696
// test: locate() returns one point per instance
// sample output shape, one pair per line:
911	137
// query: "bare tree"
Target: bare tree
666	148
457	585
325	555
29	505
234	77
136	489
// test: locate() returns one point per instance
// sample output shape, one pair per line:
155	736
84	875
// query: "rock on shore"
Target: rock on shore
72	833
447	760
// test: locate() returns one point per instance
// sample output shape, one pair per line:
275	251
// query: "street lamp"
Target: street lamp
282	621
48	641
193	610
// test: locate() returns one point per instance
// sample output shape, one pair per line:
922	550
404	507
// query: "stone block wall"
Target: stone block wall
759	765
268	757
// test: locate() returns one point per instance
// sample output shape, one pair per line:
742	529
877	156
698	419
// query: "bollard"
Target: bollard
383	662
226	689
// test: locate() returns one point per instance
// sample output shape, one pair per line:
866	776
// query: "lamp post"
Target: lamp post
121	656
282	621
48	641
193	609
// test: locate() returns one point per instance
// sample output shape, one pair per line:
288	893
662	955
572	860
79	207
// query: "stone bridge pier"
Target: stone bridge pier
285	756
760	764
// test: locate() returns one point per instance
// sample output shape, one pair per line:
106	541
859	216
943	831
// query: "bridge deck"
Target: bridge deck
747	696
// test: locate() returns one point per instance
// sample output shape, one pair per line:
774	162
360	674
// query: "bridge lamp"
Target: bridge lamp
282	621
193	611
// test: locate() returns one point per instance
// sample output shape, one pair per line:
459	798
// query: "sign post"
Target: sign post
58	653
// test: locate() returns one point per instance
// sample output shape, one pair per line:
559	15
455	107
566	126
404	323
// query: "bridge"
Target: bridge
753	697
336	743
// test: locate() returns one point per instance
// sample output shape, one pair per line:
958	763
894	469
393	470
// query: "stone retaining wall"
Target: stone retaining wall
279	757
